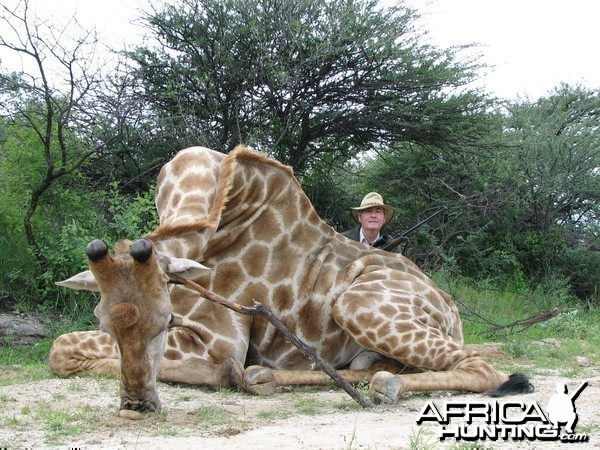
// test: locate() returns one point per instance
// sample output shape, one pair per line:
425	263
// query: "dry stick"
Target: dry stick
528	322
258	308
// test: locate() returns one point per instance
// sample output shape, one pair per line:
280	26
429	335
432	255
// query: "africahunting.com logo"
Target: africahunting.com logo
507	420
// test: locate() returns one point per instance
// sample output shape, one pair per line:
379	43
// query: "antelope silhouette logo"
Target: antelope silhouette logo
561	407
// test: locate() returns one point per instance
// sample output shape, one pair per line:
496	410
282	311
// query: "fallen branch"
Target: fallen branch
258	308
526	323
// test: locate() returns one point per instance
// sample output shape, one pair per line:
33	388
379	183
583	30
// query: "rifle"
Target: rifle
387	246
576	394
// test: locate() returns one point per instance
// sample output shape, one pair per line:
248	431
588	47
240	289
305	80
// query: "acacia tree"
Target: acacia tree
556	154
304	79
57	97
523	202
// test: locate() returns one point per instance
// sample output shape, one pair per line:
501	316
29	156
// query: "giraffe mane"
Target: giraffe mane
225	180
246	154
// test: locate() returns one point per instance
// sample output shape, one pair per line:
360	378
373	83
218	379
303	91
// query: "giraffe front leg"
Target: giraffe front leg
259	380
200	371
188	360
85	352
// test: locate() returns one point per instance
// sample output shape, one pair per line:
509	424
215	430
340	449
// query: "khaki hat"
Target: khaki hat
369	201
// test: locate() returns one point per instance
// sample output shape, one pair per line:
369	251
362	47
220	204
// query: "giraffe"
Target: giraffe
241	226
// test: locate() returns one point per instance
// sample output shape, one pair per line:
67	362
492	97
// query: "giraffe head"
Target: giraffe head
135	309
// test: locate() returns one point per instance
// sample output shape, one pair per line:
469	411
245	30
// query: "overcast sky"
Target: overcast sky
532	45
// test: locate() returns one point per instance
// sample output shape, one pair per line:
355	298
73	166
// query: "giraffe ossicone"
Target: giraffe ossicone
241	226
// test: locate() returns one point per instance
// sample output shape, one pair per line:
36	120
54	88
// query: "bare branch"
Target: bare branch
57	95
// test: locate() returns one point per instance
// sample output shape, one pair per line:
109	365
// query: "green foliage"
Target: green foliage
17	264
582	266
303	79
130	217
126	217
575	324
308	83
523	198
492	314
71	217
17	167
66	258
21	168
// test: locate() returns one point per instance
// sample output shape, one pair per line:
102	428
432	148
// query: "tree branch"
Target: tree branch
260	309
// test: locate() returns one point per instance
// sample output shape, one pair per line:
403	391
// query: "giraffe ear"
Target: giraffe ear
186	268
84	280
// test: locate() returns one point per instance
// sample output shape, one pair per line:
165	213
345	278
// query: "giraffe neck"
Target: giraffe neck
188	202
265	207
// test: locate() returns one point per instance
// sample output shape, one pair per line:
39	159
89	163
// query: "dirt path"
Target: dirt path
81	413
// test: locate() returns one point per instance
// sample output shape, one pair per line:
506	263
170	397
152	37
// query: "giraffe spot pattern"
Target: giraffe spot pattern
246	217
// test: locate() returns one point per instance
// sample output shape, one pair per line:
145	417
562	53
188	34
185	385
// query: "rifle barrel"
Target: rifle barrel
407	232
403	236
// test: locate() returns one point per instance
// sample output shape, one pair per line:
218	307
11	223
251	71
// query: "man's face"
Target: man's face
372	218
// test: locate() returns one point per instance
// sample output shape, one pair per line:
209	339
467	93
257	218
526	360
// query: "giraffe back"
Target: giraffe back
247	217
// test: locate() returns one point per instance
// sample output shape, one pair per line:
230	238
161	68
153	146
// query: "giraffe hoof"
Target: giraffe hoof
131	414
386	388
259	380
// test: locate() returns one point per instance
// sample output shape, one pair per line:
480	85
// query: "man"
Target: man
372	215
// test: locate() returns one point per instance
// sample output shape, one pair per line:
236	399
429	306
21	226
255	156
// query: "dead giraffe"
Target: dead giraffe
246	219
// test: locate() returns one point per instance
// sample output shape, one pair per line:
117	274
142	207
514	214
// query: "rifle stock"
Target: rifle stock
394	243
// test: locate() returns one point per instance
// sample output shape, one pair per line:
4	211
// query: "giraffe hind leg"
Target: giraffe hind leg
473	374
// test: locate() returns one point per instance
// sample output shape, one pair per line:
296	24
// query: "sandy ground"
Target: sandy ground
81	413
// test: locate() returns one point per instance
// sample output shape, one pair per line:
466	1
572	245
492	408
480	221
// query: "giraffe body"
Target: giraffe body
246	218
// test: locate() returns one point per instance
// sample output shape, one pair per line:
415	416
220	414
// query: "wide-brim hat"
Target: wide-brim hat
371	200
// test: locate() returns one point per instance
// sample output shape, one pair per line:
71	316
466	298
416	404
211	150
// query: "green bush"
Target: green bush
581	267
124	217
17	265
486	307
62	236
129	217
